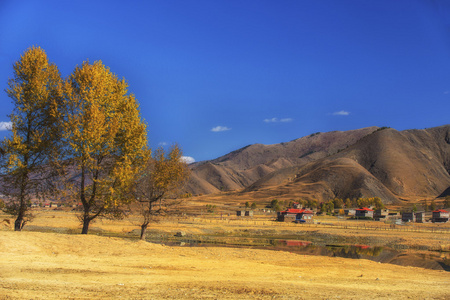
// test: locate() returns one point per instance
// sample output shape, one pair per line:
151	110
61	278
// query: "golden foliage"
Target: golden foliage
164	176
106	136
36	91
167	171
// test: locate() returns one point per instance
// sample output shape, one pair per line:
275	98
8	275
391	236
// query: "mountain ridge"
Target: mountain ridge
365	162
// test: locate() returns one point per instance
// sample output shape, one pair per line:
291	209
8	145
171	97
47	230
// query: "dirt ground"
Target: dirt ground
48	265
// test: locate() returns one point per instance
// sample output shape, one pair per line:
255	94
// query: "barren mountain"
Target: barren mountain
367	162
411	163
242	167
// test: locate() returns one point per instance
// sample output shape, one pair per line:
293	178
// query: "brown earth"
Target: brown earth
45	265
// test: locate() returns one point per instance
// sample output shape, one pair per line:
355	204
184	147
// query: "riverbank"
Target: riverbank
253	231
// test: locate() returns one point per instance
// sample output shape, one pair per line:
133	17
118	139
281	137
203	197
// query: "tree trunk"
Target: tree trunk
18	223
86	205
86	221
143	230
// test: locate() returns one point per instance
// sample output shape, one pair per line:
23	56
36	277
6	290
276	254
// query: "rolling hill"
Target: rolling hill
367	162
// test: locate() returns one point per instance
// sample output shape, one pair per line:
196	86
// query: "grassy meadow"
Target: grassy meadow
51	260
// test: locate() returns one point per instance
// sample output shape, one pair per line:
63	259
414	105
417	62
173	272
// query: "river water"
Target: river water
422	259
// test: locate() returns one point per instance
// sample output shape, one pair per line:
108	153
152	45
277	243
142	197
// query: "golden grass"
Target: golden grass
53	266
46	265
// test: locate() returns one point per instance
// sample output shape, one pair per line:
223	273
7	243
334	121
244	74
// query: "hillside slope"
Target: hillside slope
242	167
409	163
367	162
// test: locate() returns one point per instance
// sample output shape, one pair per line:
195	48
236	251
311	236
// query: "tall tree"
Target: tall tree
432	205
164	176
28	156
447	201
106	141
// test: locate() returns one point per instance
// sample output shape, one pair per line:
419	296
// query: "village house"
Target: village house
295	214
420	217
305	215
350	212
288	215
364	212
393	216
408	217
380	214
440	216
244	213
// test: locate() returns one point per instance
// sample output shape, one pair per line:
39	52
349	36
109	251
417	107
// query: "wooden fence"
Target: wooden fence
351	224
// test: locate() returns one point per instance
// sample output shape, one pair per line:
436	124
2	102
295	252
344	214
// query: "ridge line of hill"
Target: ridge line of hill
371	161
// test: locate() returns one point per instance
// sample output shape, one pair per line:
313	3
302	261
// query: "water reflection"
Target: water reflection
346	251
356	251
422	259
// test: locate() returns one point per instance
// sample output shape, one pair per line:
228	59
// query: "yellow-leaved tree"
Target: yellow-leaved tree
29	156
164	175
106	141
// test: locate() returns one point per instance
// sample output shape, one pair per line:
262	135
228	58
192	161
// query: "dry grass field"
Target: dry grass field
40	263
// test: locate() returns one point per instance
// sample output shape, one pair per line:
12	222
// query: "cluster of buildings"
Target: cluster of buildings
301	215
437	216
52	204
45	204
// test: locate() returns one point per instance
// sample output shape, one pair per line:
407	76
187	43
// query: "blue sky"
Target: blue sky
215	76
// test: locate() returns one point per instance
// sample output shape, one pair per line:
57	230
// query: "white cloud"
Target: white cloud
188	159
163	144
285	120
341	113
220	128
5	126
275	120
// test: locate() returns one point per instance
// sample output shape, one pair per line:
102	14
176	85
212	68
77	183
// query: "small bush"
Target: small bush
210	208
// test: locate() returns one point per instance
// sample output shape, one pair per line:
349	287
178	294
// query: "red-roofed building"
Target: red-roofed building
292	211
440	215
364	212
293	214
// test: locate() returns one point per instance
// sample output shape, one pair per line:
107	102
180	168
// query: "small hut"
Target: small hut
244	213
240	213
